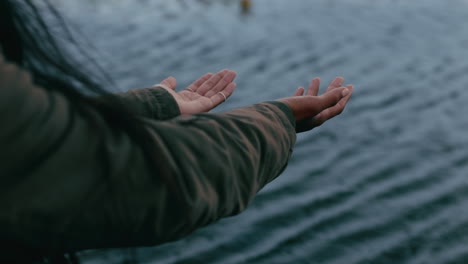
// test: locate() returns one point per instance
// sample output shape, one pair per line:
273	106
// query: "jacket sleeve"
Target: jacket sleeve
154	102
70	182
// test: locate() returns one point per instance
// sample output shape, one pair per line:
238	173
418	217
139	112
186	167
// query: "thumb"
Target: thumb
332	97
170	82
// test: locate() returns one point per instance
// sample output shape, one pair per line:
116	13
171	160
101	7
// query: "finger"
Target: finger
336	83
314	87
344	101
218	98
170	82
332	97
299	91
196	84
228	78
334	110
210	83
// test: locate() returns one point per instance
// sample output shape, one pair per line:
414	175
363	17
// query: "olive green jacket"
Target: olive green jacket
68	185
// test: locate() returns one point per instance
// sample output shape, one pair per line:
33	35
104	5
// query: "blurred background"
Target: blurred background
385	182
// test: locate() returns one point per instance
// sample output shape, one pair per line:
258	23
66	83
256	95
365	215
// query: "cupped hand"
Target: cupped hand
311	110
204	94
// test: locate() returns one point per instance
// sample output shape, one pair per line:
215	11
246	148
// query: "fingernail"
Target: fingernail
345	92
230	75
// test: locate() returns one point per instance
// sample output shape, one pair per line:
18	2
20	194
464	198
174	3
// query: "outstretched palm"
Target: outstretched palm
204	94
305	124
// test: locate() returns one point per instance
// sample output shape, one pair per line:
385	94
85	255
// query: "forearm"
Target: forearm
218	163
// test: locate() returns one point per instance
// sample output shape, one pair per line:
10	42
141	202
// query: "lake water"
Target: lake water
385	182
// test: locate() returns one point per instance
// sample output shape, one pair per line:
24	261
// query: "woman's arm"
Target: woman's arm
69	184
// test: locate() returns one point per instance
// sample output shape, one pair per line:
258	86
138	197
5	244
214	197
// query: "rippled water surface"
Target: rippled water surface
386	182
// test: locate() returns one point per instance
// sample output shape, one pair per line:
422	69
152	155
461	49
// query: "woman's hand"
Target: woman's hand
311	110
204	94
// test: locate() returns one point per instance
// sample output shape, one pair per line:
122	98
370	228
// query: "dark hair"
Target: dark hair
26	40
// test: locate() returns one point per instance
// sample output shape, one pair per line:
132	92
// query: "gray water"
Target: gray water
385	182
